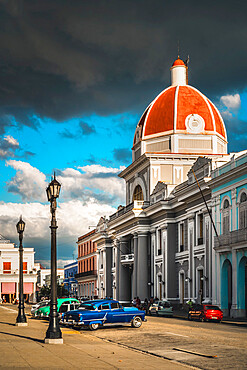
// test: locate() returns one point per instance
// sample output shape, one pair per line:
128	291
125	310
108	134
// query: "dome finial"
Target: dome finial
178	49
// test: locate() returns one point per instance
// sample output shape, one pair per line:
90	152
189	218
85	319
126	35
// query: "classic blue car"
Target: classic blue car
93	314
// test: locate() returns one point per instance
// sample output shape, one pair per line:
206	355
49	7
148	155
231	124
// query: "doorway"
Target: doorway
226	287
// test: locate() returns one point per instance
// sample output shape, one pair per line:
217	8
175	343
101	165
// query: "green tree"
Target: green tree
46	292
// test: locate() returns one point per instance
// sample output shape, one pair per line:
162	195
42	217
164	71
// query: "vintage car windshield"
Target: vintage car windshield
88	307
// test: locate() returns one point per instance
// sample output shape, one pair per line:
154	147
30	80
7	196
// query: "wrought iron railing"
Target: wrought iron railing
86	273
233	237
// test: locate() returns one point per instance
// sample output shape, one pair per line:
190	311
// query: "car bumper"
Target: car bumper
72	322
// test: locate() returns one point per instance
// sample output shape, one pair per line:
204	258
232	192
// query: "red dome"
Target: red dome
178	62
172	110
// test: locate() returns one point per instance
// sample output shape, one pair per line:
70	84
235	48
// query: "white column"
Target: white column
218	280
234	210
165	262
152	263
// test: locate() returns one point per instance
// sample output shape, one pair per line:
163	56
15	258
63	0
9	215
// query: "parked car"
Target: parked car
63	305
93	314
38	305
205	312
161	308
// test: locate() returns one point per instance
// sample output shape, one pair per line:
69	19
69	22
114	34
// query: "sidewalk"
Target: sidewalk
23	347
183	314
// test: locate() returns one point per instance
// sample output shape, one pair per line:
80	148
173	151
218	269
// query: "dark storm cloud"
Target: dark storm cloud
84	129
66	134
87	129
63	59
122	155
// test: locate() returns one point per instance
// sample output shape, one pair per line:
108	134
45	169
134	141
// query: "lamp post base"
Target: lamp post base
21	324
53	341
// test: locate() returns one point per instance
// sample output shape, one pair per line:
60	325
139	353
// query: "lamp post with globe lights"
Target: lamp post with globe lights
53	334
21	319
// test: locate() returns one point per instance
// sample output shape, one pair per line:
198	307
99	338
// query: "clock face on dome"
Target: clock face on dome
194	123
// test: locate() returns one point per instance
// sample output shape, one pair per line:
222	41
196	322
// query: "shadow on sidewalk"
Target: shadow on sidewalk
23	337
6	323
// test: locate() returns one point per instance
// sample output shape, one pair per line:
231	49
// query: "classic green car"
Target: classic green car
63	305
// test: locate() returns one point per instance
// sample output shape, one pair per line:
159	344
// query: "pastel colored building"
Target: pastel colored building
229	205
70	282
87	266
9	272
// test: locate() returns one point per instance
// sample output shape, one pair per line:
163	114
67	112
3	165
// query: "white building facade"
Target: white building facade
9	272
161	243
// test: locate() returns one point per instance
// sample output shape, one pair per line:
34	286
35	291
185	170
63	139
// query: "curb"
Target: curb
228	322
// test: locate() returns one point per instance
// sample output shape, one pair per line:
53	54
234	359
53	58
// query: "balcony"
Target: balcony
86	273
232	238
127	259
136	205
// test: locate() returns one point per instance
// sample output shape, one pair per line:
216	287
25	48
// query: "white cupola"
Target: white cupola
179	73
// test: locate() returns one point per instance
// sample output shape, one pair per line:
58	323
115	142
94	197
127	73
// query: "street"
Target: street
215	345
167	343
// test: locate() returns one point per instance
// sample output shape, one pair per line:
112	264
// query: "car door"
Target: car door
117	314
104	310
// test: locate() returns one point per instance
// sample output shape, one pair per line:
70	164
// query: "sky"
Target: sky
75	78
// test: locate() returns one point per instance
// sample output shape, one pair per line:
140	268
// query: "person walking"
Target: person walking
138	302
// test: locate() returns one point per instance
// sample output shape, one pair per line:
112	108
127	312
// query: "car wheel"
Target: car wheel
201	318
157	313
93	326
136	322
189	317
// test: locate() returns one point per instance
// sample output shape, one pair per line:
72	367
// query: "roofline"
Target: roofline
86	235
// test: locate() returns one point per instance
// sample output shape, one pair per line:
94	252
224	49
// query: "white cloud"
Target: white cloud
12	141
81	205
231	101
93	181
8	146
29	182
73	218
227	115
96	168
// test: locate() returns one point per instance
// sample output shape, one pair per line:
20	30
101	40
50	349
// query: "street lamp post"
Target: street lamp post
21	319
53	334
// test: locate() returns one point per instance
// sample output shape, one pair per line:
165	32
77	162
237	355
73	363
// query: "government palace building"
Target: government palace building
183	231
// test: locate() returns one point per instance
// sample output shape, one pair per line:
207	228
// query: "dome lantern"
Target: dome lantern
178	73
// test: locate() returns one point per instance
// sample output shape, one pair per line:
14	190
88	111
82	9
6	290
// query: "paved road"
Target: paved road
215	345
166	343
24	348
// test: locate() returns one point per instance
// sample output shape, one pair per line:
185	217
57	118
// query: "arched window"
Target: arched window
243	211
138	194
226	217
226	204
